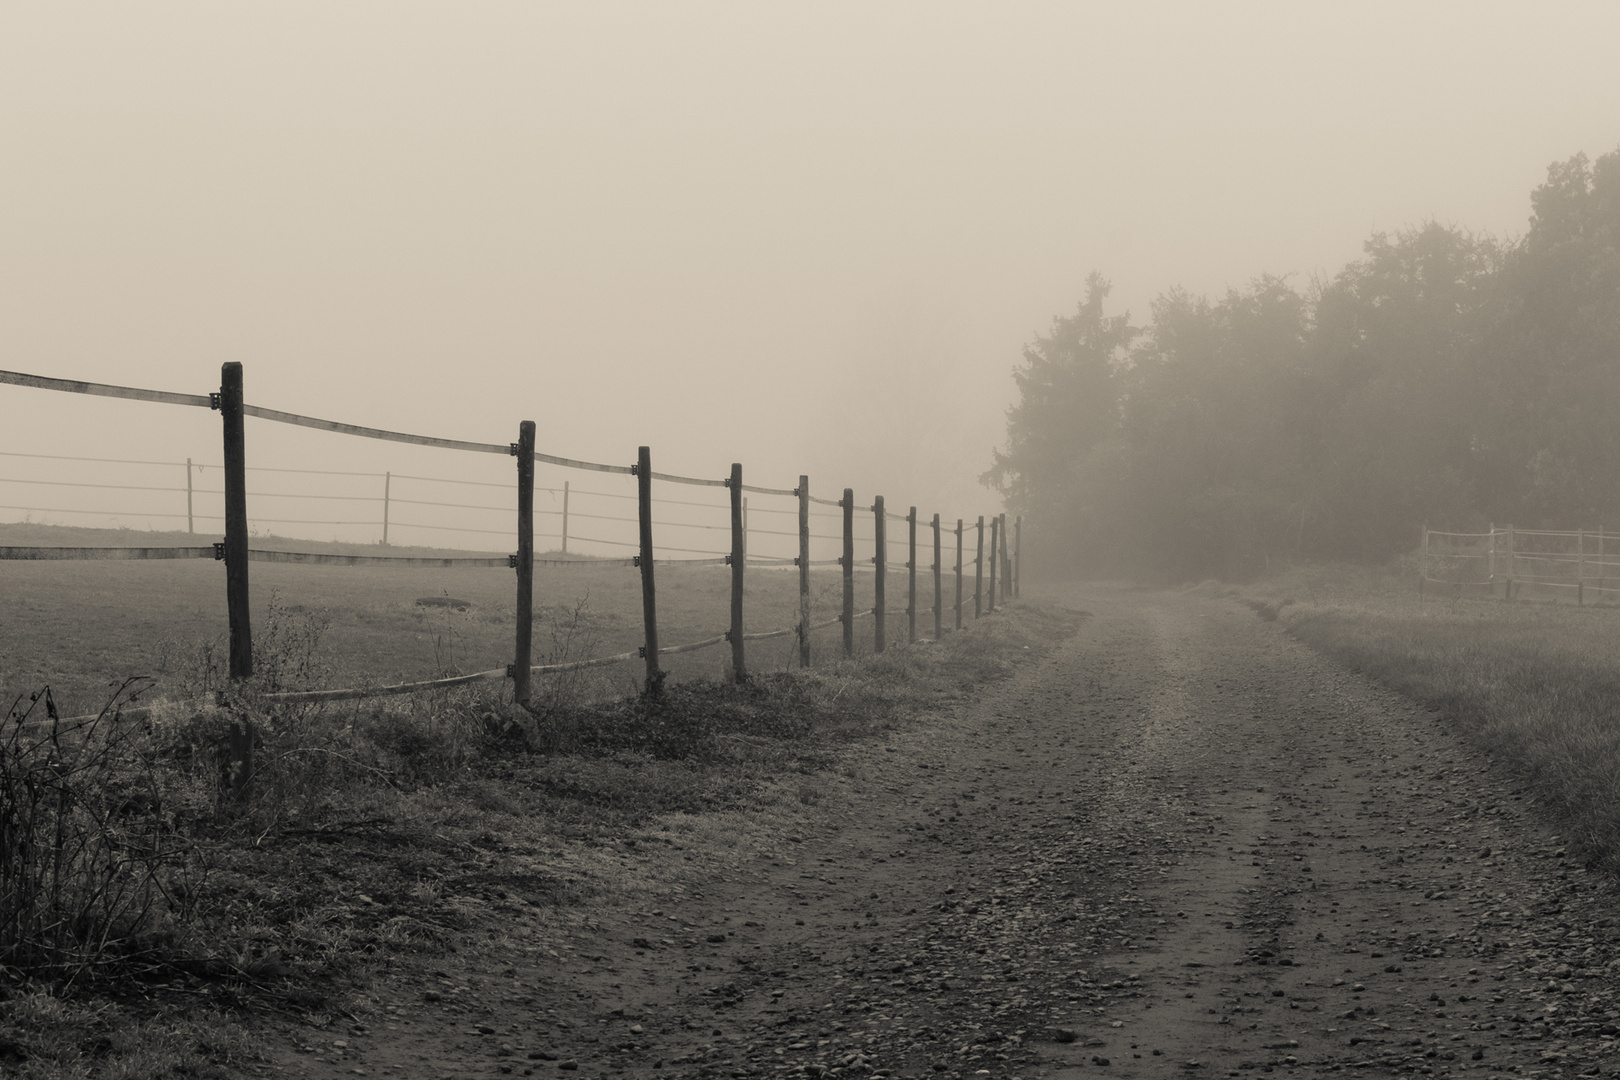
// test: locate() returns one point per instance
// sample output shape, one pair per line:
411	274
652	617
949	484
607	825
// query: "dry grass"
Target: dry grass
43	1037
1537	684
382	834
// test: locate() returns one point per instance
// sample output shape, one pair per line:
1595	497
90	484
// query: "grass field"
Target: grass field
1535	683
84	627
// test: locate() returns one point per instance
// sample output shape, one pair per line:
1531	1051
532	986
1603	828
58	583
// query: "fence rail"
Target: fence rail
236	552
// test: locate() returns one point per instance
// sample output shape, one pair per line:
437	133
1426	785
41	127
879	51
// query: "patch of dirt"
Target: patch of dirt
1182	843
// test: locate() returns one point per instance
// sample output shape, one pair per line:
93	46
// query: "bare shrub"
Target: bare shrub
95	866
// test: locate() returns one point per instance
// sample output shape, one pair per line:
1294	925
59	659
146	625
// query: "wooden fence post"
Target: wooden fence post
803	493
958	573
1580	568
1006	561
191	526
1490	561
911	577
978	573
1507	593
939	592
649	595
236	528
994	558
388	483
880	585
239	750
522	658
848	563
738	560
1018	556
565	518
1423	563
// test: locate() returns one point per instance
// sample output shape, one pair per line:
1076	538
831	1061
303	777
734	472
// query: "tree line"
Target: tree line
1443	378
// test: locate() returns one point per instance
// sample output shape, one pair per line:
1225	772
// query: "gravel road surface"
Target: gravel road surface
1180	844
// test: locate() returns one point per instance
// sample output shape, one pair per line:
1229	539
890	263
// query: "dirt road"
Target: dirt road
1182	843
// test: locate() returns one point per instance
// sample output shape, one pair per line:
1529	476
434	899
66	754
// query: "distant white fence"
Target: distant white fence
1574	563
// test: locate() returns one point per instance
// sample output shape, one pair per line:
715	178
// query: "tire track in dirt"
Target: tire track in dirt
1333	913
1182	842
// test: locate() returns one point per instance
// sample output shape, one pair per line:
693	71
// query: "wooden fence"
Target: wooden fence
1004	558
1559	563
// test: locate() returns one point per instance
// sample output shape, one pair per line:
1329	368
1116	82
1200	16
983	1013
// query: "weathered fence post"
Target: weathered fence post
236	528
1580	568
1018	556
939	592
911	576
848	563
804	570
880	560
958	574
388	483
240	748
565	518
978	573
1006	561
649	595
994	558
1507	593
738	560
191	526
1423	563
1490	561
522	677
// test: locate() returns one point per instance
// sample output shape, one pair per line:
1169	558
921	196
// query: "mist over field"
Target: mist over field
1248	298
814	239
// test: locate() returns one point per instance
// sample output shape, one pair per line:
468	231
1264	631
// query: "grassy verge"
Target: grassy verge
380	837
1536	684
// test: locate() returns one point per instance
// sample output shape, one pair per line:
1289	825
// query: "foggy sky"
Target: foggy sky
812	238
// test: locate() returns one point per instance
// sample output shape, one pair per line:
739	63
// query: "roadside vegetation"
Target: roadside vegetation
148	906
1535	683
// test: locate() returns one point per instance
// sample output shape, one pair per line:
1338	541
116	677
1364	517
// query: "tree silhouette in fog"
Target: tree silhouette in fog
1441	378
